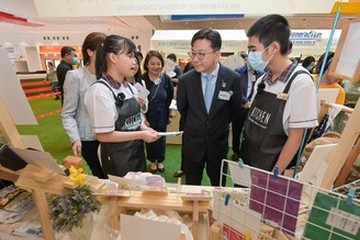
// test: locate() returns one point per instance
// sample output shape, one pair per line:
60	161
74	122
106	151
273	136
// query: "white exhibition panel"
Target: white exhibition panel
349	59
82	8
12	93
306	41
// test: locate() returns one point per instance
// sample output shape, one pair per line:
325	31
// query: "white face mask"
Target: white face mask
256	62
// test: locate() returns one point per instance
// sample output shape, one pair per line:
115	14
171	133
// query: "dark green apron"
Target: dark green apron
264	135
120	158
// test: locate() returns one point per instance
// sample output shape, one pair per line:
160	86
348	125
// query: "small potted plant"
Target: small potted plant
72	212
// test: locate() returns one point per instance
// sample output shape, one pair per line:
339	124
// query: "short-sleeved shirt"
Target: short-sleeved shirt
100	105
300	108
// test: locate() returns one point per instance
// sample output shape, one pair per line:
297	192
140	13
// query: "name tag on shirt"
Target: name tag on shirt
224	95
282	96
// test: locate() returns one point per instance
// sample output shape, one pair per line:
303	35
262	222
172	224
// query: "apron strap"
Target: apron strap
118	99
286	90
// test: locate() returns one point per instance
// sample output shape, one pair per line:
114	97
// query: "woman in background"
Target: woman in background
309	63
161	94
113	110
75	119
136	78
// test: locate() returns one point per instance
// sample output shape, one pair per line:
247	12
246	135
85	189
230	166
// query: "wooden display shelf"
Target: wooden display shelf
40	189
136	200
152	200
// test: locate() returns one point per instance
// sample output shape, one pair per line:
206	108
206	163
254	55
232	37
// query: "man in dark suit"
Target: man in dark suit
248	77
207	97
67	60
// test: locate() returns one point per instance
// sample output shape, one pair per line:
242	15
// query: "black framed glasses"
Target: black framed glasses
200	55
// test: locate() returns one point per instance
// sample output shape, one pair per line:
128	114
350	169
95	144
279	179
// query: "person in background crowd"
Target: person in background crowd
208	96
180	172
67	60
177	69
309	63
327	80
277	118
76	64
114	112
75	119
188	67
52	77
248	77
136	78
158	114
140	58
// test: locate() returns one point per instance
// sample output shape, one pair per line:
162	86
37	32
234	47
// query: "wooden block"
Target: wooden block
279	235
72	161
43	175
215	231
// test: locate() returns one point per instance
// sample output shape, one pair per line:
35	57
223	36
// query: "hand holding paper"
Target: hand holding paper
164	134
142	91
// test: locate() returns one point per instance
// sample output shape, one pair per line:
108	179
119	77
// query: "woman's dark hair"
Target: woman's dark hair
92	42
137	75
112	44
307	61
139	56
210	35
188	67
321	59
151	54
272	28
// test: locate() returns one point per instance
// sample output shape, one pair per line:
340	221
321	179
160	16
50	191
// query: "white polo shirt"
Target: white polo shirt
300	109
100	105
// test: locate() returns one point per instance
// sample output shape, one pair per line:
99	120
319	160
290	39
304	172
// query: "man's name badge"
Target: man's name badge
224	95
282	96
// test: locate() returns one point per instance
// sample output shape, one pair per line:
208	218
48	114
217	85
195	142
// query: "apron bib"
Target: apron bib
264	133
120	158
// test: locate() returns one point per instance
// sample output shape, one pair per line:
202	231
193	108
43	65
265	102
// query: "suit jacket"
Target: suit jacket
243	71
207	132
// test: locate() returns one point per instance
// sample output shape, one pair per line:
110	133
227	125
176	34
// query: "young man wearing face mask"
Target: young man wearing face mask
68	59
284	100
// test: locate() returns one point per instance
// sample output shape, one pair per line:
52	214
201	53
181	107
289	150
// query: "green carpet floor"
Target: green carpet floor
55	141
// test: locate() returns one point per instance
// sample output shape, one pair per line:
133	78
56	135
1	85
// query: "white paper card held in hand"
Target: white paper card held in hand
142	91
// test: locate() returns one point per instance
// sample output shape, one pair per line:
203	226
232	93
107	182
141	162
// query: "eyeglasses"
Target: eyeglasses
200	55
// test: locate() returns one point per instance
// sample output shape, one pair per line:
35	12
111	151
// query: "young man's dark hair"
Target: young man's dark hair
272	28
66	50
211	35
172	56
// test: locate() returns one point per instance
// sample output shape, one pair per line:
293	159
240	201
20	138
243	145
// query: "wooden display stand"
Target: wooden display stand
346	65
31	179
12	136
8	128
155	200
346	152
40	189
138	200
